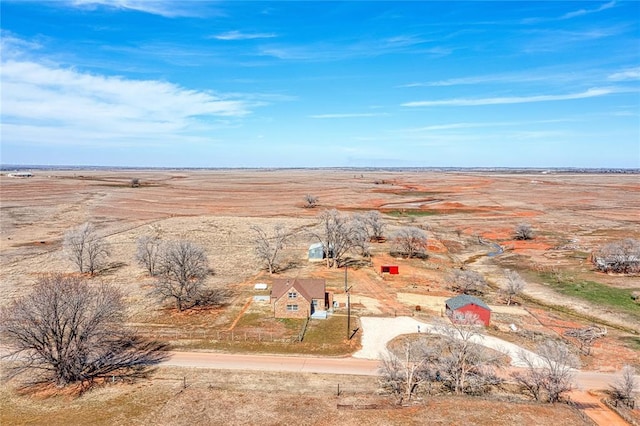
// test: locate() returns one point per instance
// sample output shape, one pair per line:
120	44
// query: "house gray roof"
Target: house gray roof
464	300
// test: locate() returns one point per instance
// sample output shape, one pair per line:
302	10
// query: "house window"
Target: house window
293	295
292	308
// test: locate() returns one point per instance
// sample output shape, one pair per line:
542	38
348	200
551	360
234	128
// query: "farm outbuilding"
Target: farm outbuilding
21	175
389	269
460	306
316	252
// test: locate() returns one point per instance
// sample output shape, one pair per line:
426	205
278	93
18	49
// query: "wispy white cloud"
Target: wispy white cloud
237	35
582	12
14	46
40	101
166	8
512	100
483	124
349	115
327	50
402	41
628	74
549	76
492	78
570	15
554	40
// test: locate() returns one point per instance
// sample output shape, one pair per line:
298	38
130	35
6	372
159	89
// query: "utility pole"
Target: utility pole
346	290
348	315
345	278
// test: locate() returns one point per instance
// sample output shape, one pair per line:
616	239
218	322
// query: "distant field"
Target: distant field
463	213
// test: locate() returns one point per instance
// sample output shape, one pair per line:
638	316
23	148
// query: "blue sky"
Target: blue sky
321	84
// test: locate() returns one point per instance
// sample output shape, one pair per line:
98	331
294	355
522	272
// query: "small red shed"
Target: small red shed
458	306
389	269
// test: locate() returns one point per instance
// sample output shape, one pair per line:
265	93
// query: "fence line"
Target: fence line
217	335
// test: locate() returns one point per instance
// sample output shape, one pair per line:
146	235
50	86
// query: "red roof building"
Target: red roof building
460	307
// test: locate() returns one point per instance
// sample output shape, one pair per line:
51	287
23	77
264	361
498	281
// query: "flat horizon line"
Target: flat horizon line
575	169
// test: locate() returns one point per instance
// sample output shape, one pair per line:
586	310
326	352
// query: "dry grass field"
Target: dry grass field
571	215
236	398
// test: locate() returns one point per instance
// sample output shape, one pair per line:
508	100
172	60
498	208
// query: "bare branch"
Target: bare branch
411	242
360	235
182	269
523	231
311	201
402	375
586	336
622	257
514	285
464	365
86	249
66	331
623	389
267	247
552	372
148	252
467	281
376	224
336	236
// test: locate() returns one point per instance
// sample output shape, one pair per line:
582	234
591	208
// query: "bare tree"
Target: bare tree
523	231
410	242
622	257
467	281
360	235
532	379
586	336
86	248
148	253
311	201
513	286
182	269
623	389
551	373
335	235
401	375
376	224
559	363
67	331
464	365
268	247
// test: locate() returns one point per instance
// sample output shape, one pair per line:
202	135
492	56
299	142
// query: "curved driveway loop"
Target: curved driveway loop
377	332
